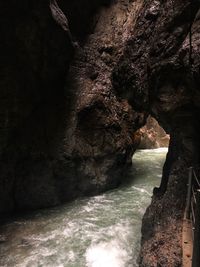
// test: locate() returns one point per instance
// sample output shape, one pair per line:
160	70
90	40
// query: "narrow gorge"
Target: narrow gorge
86	84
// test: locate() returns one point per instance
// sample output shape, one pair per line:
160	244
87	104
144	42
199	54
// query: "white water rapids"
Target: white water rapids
101	231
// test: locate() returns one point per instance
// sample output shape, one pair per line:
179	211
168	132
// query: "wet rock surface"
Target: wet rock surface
159	72
101	138
63	133
35	54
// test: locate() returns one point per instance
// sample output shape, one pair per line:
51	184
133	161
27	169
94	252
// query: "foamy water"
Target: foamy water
101	231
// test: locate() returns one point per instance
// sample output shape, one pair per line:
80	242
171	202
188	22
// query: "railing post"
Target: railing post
196	247
189	192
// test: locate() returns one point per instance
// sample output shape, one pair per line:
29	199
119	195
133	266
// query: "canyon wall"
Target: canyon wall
35	54
63	132
159	72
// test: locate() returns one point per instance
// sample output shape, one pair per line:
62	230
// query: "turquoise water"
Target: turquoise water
100	231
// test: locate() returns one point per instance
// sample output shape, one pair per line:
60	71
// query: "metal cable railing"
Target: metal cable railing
193	213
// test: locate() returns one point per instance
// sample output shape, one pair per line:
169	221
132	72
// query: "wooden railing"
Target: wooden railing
193	213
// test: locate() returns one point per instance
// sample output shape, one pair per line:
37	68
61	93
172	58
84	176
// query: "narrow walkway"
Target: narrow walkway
191	236
187	243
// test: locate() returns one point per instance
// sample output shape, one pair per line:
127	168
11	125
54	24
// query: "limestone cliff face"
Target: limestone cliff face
63	132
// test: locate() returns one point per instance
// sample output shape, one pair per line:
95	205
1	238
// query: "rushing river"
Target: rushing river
101	231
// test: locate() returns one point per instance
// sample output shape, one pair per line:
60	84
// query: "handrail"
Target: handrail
196	178
193	213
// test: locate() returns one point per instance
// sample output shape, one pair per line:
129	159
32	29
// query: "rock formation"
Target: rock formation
63	133
35	54
159	72
152	135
